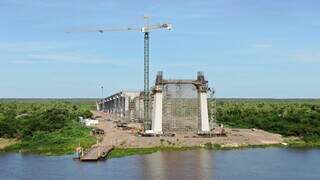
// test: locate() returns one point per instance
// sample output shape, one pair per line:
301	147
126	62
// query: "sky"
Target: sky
246	48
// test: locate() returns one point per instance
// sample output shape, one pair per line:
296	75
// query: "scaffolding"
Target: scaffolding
180	107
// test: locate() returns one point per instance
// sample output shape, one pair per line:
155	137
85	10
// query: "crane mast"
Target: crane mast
146	93
146	31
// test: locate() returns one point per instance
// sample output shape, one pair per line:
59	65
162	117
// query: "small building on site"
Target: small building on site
88	121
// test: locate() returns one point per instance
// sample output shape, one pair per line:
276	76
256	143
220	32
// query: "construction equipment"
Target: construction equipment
146	29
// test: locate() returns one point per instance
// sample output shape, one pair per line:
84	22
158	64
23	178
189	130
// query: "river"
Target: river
244	164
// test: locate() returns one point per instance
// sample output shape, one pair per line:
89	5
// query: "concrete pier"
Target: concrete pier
157	110
204	112
176	105
185	107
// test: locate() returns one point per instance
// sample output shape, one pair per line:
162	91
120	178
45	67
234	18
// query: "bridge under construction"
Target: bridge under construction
176	105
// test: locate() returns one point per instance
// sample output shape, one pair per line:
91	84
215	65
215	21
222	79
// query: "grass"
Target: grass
122	152
298	143
59	142
116	153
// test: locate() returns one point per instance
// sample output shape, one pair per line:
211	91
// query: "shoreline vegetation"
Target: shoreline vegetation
123	152
51	127
291	118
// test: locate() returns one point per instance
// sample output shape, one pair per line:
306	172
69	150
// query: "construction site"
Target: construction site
176	105
173	112
178	118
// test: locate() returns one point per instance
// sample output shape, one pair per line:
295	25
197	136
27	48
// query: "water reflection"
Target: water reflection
246	164
196	164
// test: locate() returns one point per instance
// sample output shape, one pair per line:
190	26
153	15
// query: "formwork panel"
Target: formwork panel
180	107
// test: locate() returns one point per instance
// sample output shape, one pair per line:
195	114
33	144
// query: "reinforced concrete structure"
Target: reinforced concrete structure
180	105
176	105
123	104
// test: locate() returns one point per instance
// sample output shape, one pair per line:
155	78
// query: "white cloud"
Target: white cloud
262	45
51	53
310	57
61	4
33	46
65	59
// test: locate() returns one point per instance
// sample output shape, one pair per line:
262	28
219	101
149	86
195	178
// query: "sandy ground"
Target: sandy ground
235	137
6	142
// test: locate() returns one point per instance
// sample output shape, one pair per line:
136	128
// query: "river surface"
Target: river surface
245	164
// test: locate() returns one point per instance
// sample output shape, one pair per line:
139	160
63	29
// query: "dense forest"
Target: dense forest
299	118
44	126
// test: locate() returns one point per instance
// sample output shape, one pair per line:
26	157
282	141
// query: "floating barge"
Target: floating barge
95	153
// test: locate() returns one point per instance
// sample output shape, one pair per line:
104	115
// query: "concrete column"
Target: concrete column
101	105
98	106
123	106
121	109
118	106
113	105
204	112
108	105
157	112
126	106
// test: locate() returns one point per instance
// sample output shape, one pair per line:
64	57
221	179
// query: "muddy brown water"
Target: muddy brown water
245	164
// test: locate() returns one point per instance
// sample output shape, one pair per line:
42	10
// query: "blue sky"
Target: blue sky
246	48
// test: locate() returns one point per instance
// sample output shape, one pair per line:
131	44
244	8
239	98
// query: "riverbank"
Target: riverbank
127	142
123	152
86	140
59	142
299	143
